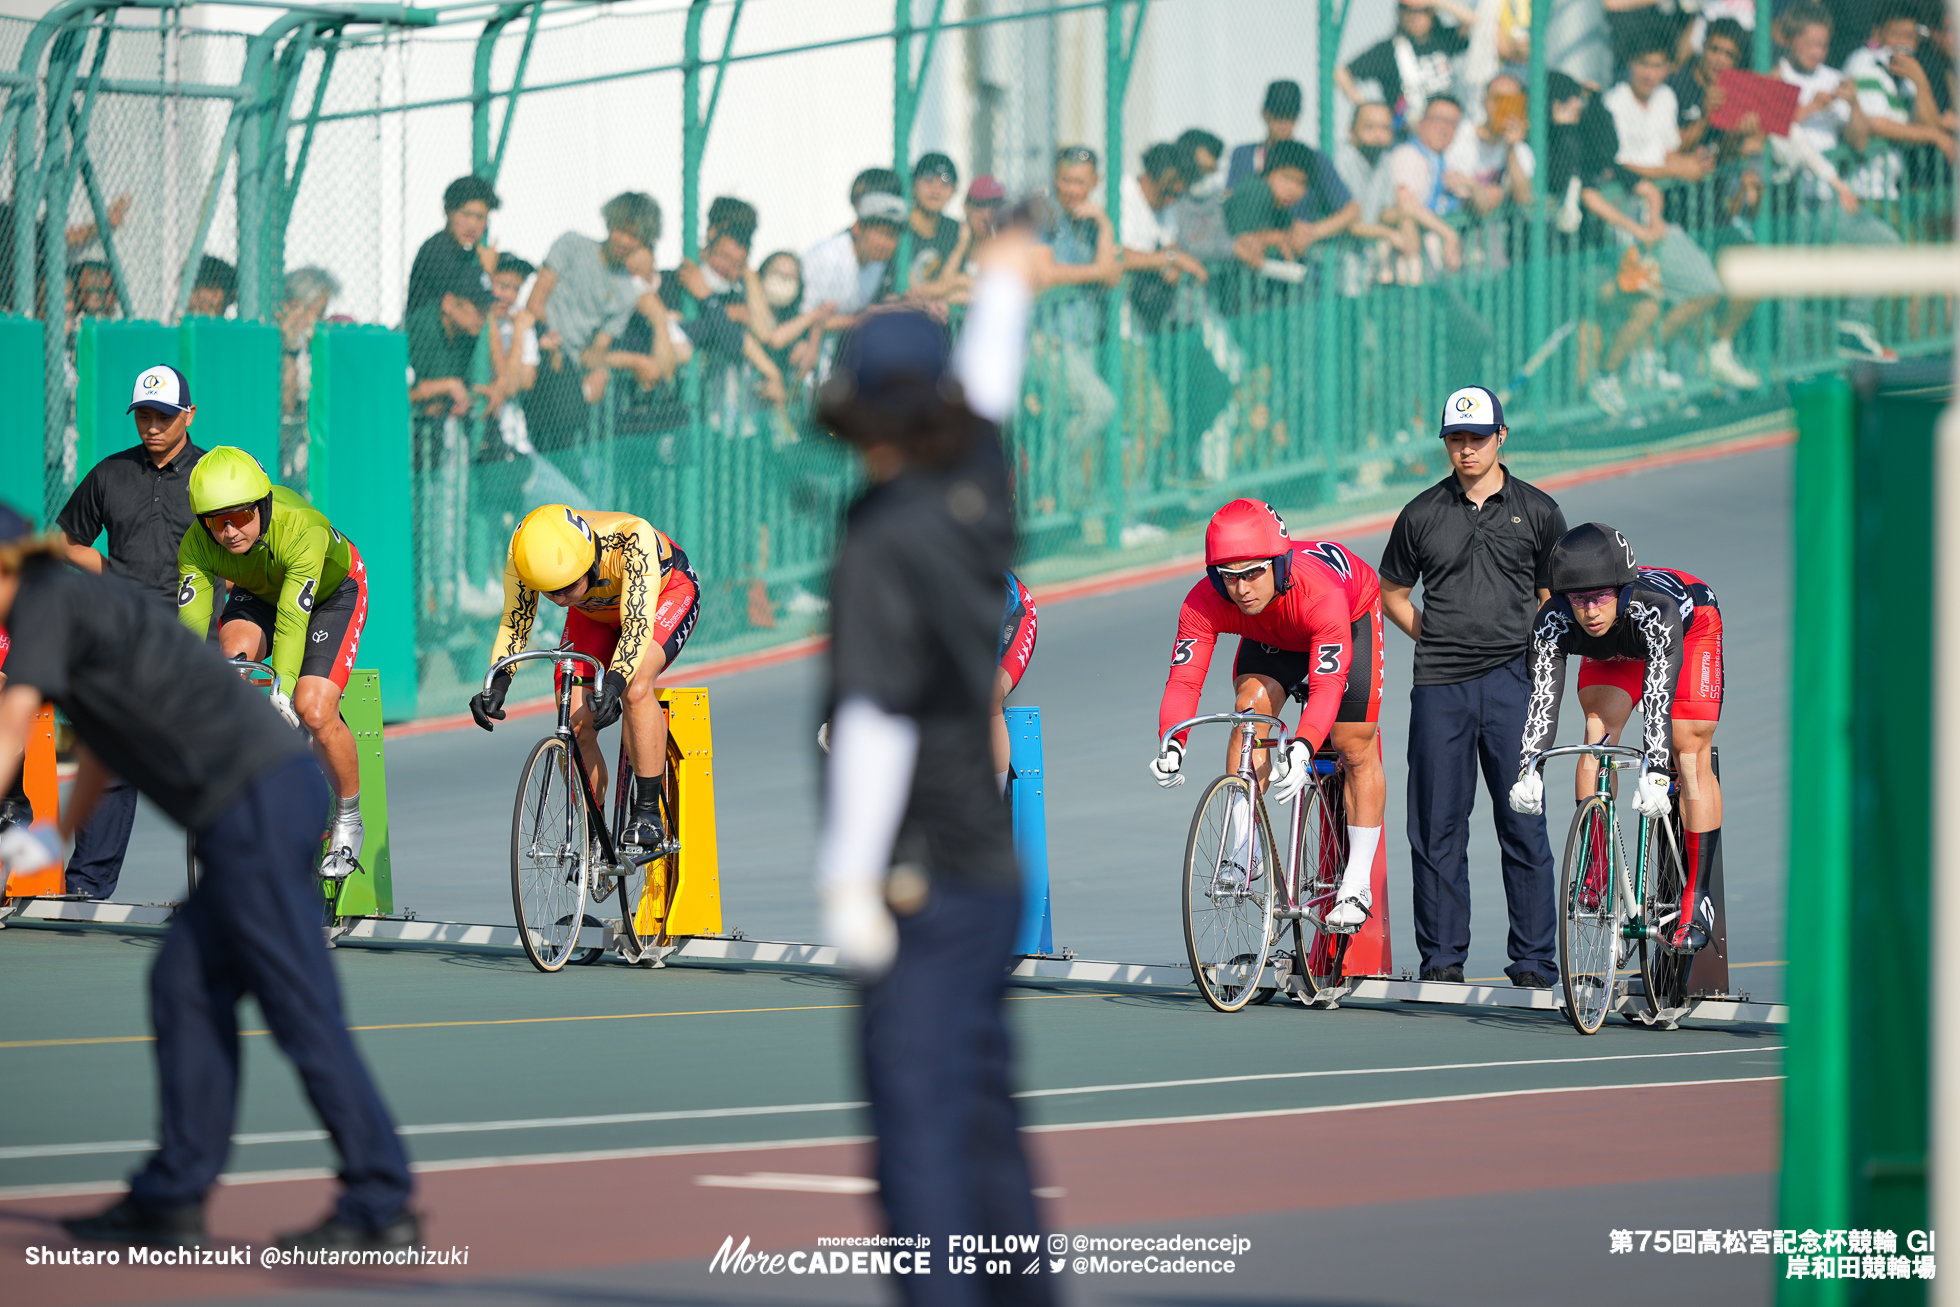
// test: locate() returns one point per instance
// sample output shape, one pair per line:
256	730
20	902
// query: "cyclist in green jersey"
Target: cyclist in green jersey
298	603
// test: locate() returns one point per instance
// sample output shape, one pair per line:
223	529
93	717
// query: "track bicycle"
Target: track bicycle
562	851
260	676
1239	901
1608	909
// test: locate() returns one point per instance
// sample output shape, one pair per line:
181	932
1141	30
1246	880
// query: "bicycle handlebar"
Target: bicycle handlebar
255	673
1599	751
533	655
1236	718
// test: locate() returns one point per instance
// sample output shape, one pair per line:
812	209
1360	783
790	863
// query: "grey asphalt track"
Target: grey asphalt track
1114	837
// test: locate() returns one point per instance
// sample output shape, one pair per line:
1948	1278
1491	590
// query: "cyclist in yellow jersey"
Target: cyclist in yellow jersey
298	603
631	602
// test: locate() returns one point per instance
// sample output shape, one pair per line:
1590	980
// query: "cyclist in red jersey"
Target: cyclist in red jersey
1652	633
1017	634
1309	621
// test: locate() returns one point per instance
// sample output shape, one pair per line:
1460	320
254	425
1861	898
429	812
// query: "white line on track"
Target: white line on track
15	1192
26	1151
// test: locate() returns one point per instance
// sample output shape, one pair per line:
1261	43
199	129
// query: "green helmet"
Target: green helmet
226	477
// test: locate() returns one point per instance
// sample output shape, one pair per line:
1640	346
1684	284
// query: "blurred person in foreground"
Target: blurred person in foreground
208	749
916	870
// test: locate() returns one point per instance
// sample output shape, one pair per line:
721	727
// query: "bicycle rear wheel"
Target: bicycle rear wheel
1663	974
646	889
1229	865
1323	861
549	847
1589	918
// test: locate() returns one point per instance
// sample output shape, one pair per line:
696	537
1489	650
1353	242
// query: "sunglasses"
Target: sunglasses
1590	598
1250	572
232	518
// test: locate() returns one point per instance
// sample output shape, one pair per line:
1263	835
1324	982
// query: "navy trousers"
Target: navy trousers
253	927
1454	730
936	1064
100	844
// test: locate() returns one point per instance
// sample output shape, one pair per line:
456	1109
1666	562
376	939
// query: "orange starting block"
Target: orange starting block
44	792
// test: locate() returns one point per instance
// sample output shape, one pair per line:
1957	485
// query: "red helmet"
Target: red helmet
1248	528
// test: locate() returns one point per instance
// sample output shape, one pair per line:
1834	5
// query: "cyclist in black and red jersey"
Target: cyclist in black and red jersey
1309	620
1654	633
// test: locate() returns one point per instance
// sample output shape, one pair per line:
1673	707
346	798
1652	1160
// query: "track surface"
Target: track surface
1114	837
593	1137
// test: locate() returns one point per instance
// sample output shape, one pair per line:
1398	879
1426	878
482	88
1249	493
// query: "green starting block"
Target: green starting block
369	892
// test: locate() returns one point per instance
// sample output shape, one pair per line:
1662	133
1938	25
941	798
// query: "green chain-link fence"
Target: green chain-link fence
309	158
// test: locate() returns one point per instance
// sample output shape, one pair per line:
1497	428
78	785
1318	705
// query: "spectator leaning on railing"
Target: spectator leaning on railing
1149	237
1897	96
1078	250
1647	120
459	248
442	337
847	268
585	293
1489	163
1831	210
1413	64
937	240
1199	213
1391	236
215	289
513	352
1280	111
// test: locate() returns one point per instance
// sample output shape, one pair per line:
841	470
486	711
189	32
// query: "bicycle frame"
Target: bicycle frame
1247	745
567	662
1633	879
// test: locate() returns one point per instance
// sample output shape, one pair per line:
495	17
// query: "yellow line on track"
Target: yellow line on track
517	1021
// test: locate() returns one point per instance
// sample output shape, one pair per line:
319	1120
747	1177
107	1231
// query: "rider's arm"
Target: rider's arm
302	551
642	571
1658	617
1197	634
1554	625
1332	647
197	586
520	609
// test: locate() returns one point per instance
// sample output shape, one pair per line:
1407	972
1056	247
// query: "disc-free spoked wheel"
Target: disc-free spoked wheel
1590	909
1229	865
1323	861
1663	974
646	890
549	846
1287	939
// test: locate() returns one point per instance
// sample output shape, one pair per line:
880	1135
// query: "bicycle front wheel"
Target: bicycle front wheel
1229	865
1663	974
1589	918
549	847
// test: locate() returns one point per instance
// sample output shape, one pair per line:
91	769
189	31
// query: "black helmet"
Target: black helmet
1591	557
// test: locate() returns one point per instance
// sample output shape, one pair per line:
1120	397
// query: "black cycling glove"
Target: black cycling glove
607	700
488	705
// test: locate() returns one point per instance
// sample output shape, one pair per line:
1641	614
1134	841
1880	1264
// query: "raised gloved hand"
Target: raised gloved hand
487	706
32	848
607	700
1528	795
1650	796
1167	766
1292	769
283	705
857	921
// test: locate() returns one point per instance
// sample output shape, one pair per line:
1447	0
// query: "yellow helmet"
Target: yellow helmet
553	547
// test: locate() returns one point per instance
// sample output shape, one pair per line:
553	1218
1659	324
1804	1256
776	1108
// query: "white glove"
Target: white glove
284	707
857	921
823	737
1167	766
1292	769
1650	796
31	848
1528	795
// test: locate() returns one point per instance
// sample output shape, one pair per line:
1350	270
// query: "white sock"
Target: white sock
1357	879
1000	779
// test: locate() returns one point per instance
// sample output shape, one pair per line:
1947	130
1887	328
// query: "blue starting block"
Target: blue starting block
1026	790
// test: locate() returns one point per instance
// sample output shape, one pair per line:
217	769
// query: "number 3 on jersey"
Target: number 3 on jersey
1181	652
1329	661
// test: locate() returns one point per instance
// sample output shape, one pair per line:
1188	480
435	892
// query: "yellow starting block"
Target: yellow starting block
682	894
44	792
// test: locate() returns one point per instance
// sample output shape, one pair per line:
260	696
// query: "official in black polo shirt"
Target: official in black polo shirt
916	869
153	703
1480	541
141	496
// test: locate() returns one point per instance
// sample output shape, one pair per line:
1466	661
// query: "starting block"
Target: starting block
682	893
1368	951
44	792
1027	801
369	892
